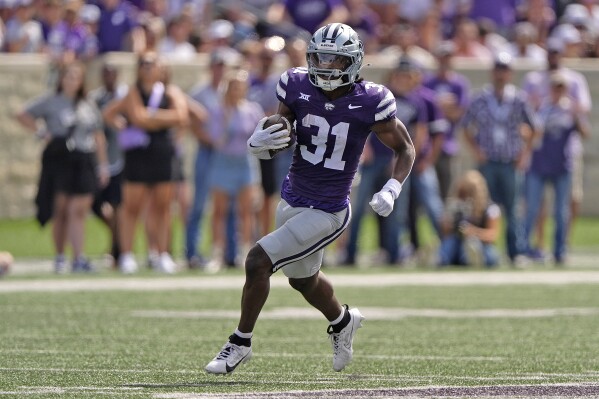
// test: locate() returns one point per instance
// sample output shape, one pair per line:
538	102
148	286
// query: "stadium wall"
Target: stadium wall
23	77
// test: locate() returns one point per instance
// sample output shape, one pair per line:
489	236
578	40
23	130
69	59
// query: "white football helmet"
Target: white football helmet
334	56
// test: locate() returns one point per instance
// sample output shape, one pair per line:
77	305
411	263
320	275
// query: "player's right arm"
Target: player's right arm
394	135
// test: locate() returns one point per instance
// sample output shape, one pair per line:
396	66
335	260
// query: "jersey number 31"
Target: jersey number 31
340	131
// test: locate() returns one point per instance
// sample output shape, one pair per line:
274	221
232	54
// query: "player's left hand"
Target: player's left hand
382	203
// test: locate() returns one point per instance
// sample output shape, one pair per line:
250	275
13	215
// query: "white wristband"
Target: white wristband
393	186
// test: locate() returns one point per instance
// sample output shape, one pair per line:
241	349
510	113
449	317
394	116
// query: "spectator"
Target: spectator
499	128
364	21
470	224
423	179
23	33
412	111
405	39
150	109
263	86
107	201
176	45
230	175
67	40
209	96
90	15
118	28
452	95
50	16
561	119
571	39
466	40
295	49
540	14
501	12
536	86
73	131
525	45
309	15
153	32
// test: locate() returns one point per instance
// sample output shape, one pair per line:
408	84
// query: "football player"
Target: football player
334	111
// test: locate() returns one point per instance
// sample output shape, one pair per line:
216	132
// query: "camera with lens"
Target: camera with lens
460	212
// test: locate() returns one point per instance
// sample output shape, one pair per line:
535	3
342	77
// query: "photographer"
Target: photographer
470	226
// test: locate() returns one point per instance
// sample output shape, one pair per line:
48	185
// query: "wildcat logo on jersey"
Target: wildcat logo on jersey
329	106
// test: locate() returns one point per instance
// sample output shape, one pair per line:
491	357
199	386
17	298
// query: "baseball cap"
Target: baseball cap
567	33
220	29
89	13
503	60
555	44
407	64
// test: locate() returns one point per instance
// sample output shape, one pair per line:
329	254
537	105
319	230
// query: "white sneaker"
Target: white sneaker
342	341
60	264
229	357
127	263
165	264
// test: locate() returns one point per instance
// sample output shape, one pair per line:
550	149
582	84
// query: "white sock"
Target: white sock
243	335
338	319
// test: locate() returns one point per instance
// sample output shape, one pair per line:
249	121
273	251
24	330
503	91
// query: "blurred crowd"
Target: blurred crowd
75	29
134	132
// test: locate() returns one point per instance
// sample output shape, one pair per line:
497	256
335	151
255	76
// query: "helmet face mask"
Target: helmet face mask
334	56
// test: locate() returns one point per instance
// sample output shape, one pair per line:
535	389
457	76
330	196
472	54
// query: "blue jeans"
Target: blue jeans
203	164
426	185
535	184
505	183
373	177
451	252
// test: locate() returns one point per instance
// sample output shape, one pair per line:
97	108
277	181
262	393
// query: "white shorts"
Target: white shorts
297	244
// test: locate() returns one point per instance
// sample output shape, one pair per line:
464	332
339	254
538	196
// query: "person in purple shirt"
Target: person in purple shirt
552	162
494	124
309	14
118	21
425	185
452	96
334	112
502	12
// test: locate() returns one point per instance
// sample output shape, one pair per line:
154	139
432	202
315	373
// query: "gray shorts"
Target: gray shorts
297	244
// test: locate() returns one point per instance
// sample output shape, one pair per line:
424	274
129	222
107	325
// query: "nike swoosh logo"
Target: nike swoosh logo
354	106
231	368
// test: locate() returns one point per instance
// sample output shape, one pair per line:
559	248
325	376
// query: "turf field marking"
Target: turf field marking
520	391
559	277
374	313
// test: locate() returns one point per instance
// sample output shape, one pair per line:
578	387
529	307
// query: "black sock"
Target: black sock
344	322
237	340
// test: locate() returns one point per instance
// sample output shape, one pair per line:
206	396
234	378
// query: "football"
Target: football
278	118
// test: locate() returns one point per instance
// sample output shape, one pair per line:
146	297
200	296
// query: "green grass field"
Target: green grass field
24	238
429	333
154	343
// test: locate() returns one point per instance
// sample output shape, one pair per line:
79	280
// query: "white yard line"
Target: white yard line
441	278
373	313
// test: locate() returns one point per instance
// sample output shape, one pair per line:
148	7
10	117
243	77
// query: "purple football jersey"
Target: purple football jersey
330	138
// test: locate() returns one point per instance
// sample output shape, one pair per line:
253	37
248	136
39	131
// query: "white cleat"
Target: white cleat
229	357
343	340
